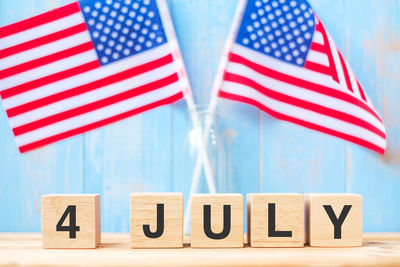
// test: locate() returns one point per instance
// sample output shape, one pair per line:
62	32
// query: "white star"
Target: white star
299	61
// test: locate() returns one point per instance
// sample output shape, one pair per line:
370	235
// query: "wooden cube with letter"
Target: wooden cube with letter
71	221
217	220
334	220
275	220
156	220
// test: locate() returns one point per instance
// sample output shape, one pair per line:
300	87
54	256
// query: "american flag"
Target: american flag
283	61
85	65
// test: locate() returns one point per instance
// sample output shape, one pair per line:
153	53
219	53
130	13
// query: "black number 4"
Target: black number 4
72	228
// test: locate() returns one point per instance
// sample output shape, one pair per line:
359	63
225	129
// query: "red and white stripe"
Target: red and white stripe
52	86
324	95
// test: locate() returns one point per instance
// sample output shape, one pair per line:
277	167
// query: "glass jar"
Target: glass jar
214	146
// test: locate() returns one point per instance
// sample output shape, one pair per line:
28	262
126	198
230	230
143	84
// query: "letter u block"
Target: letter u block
217	220
156	220
71	221
275	220
334	220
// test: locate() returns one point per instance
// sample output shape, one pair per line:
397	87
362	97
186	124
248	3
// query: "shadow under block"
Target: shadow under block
71	221
217	220
334	220
275	220
156	220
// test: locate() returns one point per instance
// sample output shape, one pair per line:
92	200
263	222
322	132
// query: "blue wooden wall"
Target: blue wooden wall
151	152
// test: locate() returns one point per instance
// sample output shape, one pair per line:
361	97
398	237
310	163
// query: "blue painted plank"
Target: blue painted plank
376	30
53	169
151	152
132	155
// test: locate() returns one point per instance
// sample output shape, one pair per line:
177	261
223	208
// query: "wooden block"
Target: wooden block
275	220
217	220
71	221
334	220
156	220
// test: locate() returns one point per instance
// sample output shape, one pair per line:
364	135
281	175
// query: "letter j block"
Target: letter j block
71	221
156	220
334	220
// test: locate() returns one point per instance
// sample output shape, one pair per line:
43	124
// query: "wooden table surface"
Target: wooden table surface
25	250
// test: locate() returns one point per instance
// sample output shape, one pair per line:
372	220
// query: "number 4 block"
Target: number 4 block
71	221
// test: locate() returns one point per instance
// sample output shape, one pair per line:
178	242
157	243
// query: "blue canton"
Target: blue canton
122	28
282	29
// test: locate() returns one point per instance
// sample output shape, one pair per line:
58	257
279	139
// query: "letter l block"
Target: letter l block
275	220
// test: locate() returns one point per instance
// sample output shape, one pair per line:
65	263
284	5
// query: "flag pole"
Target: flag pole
188	95
214	99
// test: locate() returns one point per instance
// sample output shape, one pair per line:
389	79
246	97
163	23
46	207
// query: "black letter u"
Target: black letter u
207	222
160	224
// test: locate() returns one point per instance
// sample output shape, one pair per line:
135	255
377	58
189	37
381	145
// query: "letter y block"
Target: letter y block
334	220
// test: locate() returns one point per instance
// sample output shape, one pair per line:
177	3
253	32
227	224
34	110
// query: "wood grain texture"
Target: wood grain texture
289	216
218	221
152	152
144	212
25	250
319	226
87	221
